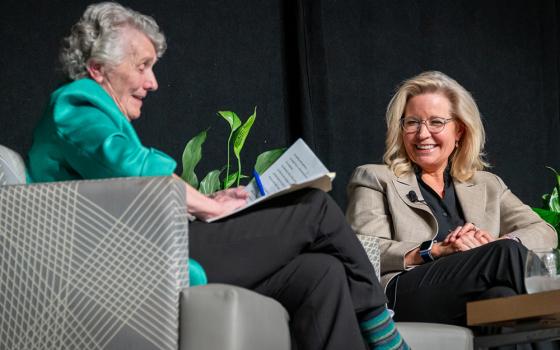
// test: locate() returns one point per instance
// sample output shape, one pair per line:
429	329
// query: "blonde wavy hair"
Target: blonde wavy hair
97	36
468	157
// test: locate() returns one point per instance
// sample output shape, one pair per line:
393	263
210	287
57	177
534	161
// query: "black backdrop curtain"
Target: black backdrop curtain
321	70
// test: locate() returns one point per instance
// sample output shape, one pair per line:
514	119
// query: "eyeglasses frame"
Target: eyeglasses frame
425	122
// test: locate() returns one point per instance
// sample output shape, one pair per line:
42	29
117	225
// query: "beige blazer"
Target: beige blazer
379	206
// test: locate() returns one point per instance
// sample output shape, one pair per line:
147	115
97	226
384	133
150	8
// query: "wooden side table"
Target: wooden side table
531	317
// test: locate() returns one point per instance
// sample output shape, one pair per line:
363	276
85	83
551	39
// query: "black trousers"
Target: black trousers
439	291
299	250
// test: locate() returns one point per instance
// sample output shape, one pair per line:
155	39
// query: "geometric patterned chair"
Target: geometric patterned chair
92	264
422	335
102	264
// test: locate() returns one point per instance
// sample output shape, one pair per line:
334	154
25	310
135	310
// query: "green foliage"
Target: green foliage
551	200
239	141
551	204
211	182
265	160
549	216
192	154
234	124
239	132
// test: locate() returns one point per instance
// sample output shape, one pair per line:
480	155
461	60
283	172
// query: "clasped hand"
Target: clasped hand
464	238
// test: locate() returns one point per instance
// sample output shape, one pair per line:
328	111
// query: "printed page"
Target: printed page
297	168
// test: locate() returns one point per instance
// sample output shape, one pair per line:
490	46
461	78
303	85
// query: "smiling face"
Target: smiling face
431	151
129	82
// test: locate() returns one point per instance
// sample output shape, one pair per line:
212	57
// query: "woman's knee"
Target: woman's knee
315	196
509	247
320	267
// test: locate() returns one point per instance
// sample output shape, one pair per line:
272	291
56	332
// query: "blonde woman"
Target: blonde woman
450	232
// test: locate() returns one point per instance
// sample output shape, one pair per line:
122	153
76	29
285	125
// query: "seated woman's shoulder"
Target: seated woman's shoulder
370	175
487	177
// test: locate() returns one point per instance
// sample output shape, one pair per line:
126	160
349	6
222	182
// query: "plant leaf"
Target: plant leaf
230	180
211	182
191	156
266	159
242	133
234	123
549	216
554	201
231	118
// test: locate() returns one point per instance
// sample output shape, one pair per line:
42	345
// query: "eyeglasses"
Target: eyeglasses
434	124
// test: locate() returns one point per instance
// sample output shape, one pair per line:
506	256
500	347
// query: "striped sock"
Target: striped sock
380	332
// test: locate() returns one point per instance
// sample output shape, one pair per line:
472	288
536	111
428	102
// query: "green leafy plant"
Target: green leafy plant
551	204
213	181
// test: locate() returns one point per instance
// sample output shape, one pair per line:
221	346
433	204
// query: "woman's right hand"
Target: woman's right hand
221	203
463	238
228	200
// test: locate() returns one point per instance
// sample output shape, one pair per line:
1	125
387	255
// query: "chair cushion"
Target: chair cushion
225	317
429	336
12	167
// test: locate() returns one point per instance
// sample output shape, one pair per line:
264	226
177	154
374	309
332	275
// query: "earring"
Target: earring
456	143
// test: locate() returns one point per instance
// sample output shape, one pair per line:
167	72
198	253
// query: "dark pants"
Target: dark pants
299	250
439	291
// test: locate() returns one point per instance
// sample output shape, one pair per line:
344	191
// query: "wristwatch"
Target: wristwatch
426	251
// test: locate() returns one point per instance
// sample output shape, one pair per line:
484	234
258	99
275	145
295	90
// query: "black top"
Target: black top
447	210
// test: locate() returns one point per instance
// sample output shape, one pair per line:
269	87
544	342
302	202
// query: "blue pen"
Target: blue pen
258	181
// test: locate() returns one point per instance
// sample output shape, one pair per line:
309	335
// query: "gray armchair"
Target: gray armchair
422	335
102	264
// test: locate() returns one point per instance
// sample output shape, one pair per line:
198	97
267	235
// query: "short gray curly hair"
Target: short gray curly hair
96	36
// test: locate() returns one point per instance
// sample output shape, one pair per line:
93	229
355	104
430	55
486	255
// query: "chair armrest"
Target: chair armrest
92	264
371	246
421	335
225	317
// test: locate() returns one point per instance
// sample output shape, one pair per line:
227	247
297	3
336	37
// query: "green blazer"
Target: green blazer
84	135
379	206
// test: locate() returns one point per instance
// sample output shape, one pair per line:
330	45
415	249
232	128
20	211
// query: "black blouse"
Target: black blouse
447	210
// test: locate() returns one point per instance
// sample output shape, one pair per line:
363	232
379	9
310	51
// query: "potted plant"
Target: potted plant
224	177
550	212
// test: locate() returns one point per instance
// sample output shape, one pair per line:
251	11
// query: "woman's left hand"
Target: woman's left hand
467	237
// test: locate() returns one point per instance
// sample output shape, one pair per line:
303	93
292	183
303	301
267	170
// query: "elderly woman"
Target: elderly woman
450	233
309	260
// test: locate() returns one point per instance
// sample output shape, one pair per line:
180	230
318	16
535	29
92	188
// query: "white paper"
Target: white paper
298	167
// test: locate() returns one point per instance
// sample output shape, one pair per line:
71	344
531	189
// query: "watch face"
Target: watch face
426	245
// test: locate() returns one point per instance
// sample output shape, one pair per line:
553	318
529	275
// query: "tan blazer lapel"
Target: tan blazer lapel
404	185
473	201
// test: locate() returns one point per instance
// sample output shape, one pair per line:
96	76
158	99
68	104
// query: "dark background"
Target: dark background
321	70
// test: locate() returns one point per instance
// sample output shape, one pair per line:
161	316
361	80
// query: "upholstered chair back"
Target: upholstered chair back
12	167
92	264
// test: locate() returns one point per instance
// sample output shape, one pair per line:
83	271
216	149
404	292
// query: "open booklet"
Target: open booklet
298	167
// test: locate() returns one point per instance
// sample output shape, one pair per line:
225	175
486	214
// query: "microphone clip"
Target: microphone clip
412	196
